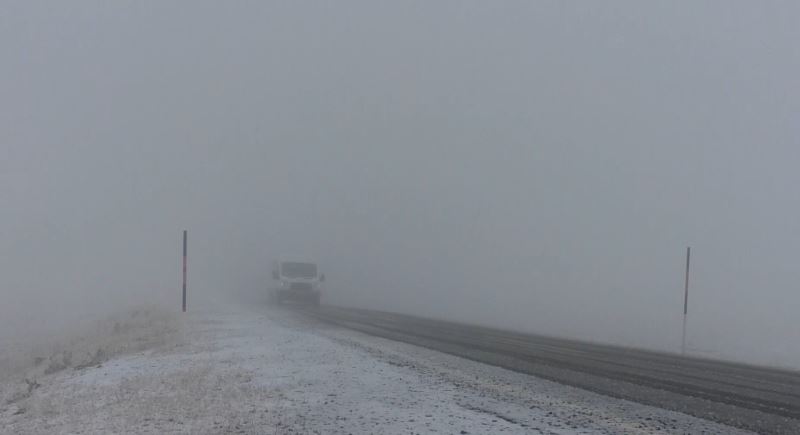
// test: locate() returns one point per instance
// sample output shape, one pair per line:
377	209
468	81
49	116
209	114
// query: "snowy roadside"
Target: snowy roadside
33	356
26	363
259	370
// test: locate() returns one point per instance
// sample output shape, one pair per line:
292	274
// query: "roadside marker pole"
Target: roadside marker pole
184	270
685	300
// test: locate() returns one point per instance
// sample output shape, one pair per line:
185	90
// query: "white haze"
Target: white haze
540	166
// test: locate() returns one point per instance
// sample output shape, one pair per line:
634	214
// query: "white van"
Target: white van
297	279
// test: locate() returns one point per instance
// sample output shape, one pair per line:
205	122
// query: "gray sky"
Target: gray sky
535	165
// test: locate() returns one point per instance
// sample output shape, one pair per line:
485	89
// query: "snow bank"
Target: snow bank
129	331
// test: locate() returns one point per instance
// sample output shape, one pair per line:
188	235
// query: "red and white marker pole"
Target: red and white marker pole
685	300
184	270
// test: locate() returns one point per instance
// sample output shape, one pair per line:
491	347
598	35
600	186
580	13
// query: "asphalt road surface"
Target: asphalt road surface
265	370
761	399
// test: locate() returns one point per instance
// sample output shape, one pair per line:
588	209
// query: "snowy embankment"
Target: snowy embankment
259	370
27	361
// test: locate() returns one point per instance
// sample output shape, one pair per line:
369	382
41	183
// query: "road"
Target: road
760	399
257	369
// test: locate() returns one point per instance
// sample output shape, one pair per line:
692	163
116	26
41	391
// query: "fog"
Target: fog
540	166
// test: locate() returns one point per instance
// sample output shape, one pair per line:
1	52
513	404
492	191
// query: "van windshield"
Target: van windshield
299	270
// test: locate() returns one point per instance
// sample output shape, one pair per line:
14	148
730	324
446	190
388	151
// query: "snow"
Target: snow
260	370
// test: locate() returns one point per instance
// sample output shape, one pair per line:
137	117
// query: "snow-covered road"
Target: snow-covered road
265	370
